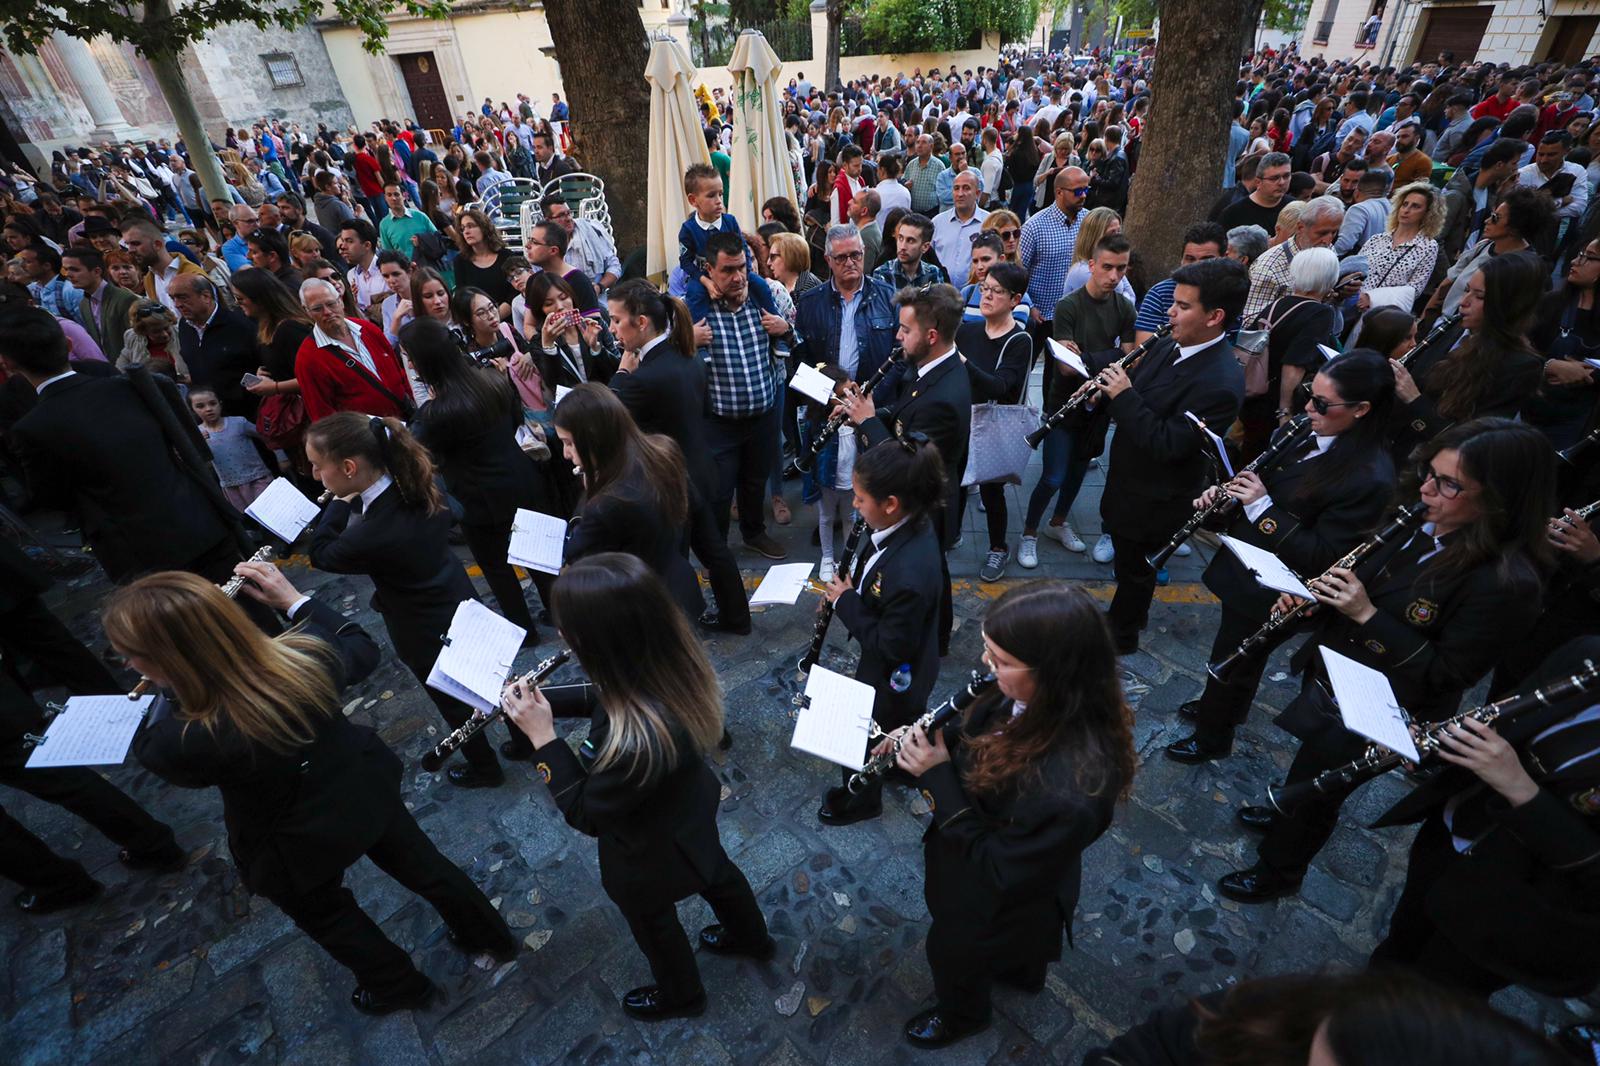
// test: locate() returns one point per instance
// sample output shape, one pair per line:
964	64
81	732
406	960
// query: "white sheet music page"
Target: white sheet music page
1067	356
473	666
1266	568
284	510
1367	704
783	584
837	719
91	731
810	382
1217	444
538	541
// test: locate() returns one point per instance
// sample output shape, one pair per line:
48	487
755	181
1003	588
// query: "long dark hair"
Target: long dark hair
466	396
537	291
611	447
667	314
273	302
384	444
1512	286
1361	376
1383	328
909	469
1515	466
1077	706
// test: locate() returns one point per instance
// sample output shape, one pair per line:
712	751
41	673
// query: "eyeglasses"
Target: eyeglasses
324	308
1448	487
486	313
1009	234
1322	407
1586	257
996	290
1082	191
848	257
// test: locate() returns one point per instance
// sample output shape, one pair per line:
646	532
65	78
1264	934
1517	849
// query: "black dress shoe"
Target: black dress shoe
47	902
1257	819
164	860
1257	885
712	621
716	939
502	952
649	1004
1029	979
1193	751
511	749
470	776
839	807
933	1029
1189	709
368	1002
727	740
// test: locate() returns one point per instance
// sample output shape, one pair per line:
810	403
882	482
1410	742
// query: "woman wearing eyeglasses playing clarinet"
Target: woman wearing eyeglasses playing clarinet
1309	507
1018	791
1432	612
889	601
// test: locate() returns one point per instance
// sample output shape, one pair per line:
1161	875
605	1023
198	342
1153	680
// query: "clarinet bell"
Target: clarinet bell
1037	437
1286	798
433	760
1158	559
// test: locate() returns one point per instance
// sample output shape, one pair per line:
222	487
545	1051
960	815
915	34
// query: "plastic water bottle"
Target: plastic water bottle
900	680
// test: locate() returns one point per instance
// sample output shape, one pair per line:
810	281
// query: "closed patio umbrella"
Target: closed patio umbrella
676	143
760	168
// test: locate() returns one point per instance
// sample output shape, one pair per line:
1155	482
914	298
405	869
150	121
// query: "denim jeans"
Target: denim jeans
1062	471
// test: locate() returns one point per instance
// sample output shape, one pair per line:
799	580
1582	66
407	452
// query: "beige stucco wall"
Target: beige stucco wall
1517	32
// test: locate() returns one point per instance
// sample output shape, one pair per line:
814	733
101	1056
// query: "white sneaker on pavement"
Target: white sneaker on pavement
825	571
1103	551
1028	553
1069	537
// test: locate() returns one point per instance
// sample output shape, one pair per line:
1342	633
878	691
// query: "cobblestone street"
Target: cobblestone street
188	968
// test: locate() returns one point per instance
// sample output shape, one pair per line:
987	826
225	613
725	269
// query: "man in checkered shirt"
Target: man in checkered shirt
1046	248
743	348
1269	278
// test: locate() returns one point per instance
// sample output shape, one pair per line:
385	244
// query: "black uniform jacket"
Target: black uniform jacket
1516	377
484	467
895	619
1525	899
1158	456
21	579
1007	868
626	518
1307	531
658	834
297	819
1433	635
91	444
667	395
939	406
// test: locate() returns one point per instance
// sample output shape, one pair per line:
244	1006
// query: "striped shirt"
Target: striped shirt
1046	252
741	377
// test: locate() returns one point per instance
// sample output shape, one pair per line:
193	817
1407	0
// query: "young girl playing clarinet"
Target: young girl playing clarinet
890	601
390	522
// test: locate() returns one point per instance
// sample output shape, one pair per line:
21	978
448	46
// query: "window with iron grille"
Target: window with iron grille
283	70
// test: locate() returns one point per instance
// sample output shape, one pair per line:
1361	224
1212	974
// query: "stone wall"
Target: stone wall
241	89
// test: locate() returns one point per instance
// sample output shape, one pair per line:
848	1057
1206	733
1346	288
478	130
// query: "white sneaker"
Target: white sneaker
1069	538
825	571
1028	554
1103	551
1183	551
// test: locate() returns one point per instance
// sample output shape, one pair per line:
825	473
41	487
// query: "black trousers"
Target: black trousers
1224	705
488	544
1413	940
710	545
1295	839
418	650
944	516
32	629
963	979
666	947
743	450
993	495
1136	587
330	915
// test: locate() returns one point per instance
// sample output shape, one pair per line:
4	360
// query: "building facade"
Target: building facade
1506	31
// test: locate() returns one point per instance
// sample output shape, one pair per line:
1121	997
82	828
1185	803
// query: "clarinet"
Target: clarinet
1575	453
825	617
1408	521
1378	760
1440	328
1224	505
1077	400
808	458
480	719
878	765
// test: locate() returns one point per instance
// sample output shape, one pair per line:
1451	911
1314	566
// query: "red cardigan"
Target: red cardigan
328	385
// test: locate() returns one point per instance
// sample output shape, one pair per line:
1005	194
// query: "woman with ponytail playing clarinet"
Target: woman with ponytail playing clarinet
305	791
1308	508
1431	612
389	521
889	602
640	782
1018	791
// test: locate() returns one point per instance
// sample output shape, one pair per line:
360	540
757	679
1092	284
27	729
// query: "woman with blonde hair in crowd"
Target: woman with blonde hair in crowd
1097	224
1288	220
1404	254
304	249
1063	154
1009	227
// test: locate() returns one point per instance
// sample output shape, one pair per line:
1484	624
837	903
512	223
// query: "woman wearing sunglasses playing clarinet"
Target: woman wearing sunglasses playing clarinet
1309	507
1430	611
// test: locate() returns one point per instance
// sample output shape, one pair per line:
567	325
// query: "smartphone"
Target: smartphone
251	379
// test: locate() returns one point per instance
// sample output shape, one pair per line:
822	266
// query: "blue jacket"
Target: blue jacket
816	326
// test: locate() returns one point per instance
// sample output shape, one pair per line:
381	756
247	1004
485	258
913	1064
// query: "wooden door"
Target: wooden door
429	104
1572	37
1459	30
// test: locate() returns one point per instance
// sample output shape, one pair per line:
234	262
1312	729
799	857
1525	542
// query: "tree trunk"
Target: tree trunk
1180	163
175	89
603	74
1250	25
830	74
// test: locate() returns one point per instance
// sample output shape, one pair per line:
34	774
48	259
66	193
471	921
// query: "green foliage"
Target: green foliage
944	25
160	28
1287	14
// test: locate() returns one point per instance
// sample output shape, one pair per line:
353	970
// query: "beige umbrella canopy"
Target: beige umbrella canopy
677	142
760	168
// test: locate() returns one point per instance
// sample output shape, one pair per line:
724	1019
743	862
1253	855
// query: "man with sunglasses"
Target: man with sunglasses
1048	238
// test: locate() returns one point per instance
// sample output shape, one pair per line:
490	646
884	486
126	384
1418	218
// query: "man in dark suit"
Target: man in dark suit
92	446
1158	455
547	166
105	307
217	342
934	399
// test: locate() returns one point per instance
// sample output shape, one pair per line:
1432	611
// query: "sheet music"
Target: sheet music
837	719
1217	443
284	510
91	731
1267	569
810	382
783	584
1367	704
538	541
561	394
473	665
1327	352
1066	355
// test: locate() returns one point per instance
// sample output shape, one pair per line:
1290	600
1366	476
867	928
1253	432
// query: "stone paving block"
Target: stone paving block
38	963
38	1032
326	1047
392	1041
1338	901
770	855
464	1033
152	993
267	923
306	989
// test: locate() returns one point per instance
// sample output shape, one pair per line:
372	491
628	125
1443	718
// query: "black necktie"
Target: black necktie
358	504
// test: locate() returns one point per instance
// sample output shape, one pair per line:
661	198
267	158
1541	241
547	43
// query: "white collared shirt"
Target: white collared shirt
1186	350
368	495
710	227
47	382
163	279
358	350
928	368
879	538
368	284
1256	508
650	345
